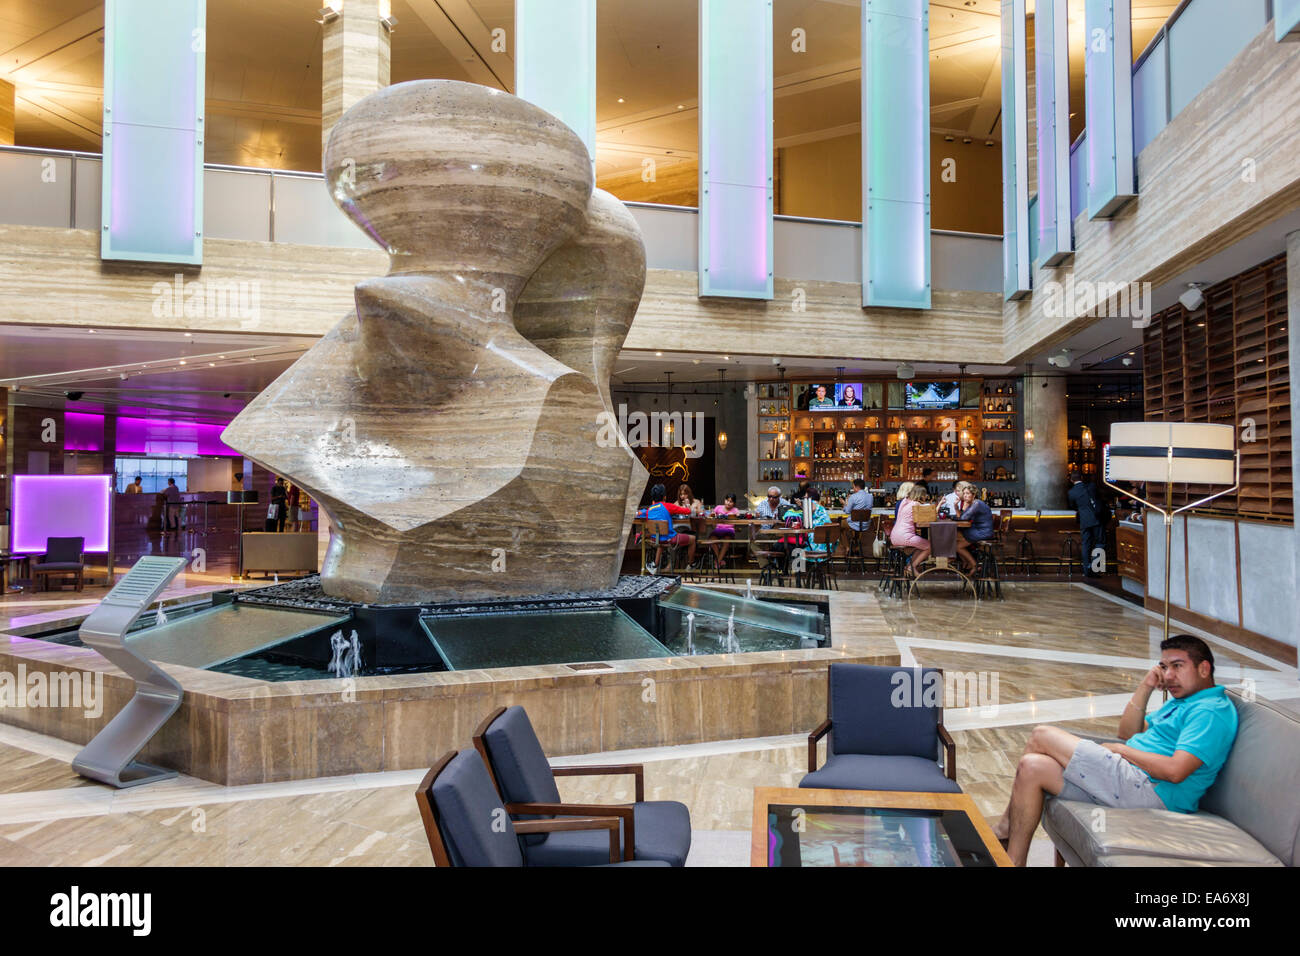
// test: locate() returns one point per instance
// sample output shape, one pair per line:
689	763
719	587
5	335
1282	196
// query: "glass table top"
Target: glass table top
872	836
800	622
224	633
517	639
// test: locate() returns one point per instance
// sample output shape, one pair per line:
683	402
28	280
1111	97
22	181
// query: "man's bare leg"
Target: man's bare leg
1044	740
1037	774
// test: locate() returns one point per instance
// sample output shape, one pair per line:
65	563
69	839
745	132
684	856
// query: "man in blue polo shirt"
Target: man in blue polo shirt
1168	761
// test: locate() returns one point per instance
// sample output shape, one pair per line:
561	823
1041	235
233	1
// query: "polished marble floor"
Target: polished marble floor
1052	652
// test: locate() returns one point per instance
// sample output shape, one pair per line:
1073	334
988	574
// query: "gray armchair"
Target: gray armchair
467	826
63	556
653	830
874	745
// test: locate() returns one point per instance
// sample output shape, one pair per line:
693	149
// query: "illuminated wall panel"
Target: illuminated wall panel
1016	226
896	153
154	52
1108	83
555	61
736	148
61	506
1052	84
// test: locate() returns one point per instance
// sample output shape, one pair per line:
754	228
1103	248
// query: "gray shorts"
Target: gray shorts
1097	775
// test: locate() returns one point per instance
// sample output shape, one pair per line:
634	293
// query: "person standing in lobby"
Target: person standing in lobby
172	511
275	514
135	487
1093	514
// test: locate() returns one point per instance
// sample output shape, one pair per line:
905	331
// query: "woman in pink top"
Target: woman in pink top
904	535
724	531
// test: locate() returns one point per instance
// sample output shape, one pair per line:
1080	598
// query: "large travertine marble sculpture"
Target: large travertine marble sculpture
449	427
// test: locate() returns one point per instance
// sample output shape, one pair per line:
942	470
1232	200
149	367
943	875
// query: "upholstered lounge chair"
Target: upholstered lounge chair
871	744
657	830
63	556
467	826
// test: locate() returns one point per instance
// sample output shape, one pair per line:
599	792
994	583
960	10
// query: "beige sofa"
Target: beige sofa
1250	817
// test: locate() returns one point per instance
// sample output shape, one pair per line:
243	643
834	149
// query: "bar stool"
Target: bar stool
820	564
1025	556
1069	547
770	561
859	516
988	577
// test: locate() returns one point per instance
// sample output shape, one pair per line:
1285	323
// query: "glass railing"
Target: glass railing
711	622
272	205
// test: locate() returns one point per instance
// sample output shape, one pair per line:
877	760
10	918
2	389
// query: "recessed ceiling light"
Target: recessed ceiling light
681	106
220	356
189	335
659	353
182	361
91	331
621	100
212	365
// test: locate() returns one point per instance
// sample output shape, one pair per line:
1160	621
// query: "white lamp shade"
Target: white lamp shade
1202	454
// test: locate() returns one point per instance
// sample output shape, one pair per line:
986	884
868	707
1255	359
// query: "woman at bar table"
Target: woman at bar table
972	509
904	535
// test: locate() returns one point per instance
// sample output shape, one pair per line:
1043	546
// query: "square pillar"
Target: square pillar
355	56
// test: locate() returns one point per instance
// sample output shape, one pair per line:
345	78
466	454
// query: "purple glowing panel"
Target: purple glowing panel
83	432
162	436
61	506
735	221
154	58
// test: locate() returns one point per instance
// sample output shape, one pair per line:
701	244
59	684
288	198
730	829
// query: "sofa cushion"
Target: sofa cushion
1095	833
870	772
663	835
1257	787
880	710
1138	859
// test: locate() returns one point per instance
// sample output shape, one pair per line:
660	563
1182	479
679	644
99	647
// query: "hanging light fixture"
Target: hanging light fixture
1029	436
1086	438
722	391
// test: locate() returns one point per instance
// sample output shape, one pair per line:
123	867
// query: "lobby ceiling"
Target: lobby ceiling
166	372
264	71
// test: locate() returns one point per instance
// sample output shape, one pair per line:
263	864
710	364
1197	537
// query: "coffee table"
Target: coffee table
797	827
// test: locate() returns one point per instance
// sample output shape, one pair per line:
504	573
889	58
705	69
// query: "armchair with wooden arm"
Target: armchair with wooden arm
526	783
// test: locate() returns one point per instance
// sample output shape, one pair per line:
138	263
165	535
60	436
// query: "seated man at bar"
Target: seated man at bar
661	510
970	508
860	500
773	506
1167	762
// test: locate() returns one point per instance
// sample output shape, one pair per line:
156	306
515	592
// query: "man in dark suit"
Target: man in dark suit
1093	515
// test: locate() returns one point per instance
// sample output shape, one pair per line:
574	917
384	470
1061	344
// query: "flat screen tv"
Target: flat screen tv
923	395
834	397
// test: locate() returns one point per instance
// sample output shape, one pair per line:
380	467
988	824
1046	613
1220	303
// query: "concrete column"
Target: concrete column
355	57
1046	460
6	113
1293	343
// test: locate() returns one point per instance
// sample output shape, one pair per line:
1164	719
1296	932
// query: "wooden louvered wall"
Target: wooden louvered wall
1228	363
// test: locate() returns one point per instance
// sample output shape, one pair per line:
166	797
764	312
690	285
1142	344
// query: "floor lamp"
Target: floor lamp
1168	452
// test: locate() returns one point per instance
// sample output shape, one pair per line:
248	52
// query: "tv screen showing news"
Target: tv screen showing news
835	397
922	395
